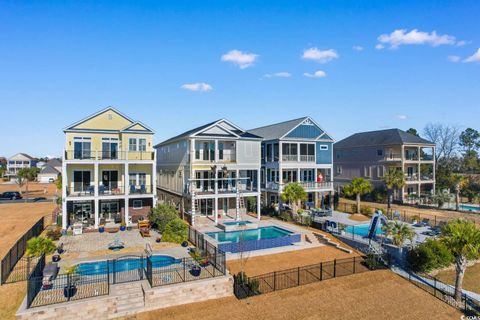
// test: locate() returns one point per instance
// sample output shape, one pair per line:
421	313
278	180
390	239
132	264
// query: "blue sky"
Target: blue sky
61	61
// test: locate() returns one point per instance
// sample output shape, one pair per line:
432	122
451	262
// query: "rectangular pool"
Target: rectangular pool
254	239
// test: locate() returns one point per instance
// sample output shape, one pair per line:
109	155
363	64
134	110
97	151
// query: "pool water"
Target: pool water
362	230
467	207
104	266
236	223
252	234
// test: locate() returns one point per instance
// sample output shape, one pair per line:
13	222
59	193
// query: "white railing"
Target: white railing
307	185
307	158
289	157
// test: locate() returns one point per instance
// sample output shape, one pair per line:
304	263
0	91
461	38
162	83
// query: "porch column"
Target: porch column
215	210
237	206
259	210
64	195
154	179
194	207
95	188
127	193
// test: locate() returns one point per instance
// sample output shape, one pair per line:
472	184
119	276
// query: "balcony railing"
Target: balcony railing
411	157
411	177
108	155
427	177
307	158
392	157
427	157
307	185
289	157
112	190
221	185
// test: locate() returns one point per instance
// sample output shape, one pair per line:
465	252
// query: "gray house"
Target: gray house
370	154
297	150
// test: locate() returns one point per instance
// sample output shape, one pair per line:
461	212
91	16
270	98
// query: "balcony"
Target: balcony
309	186
427	157
307	158
392	157
294	158
427	177
411	177
411	156
90	155
221	186
105	191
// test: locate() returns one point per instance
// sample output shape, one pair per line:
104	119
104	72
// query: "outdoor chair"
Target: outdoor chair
425	222
143	190
60	249
133	189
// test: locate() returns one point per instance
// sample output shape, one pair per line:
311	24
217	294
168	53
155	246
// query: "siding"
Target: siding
324	156
305	131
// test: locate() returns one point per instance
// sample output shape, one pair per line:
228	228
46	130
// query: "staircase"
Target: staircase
130	298
327	241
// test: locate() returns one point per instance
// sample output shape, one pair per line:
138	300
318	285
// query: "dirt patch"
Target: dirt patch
17	218
471	281
378	294
35	189
358	217
281	261
11	296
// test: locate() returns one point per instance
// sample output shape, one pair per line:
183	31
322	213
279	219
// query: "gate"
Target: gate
127	269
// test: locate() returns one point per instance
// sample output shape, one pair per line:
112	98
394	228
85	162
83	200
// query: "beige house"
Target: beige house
370	154
108	170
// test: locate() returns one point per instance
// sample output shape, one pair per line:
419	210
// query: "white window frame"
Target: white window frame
137	207
339	169
324	147
134	145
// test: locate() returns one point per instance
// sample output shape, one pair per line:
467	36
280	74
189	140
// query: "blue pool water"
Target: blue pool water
252	234
362	230
467	207
102	267
236	223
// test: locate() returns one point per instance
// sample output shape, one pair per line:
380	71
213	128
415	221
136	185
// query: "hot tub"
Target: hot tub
232	225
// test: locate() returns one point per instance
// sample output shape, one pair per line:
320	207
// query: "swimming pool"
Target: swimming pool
104	266
252	234
254	239
467	207
236	223
362	230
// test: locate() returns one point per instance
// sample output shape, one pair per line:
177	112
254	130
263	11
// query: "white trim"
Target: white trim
133	204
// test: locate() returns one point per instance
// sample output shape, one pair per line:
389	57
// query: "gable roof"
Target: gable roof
48	169
22	156
381	137
134	127
232	128
281	129
54	163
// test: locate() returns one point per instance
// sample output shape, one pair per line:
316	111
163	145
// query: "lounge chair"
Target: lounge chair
144	228
50	272
425	222
77	229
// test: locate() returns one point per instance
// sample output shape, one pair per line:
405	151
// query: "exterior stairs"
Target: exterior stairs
130	298
326	240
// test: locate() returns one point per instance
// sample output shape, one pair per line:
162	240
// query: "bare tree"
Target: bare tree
446	138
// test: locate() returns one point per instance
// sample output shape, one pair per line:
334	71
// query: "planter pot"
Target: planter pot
129	228
184	244
69	291
101	229
123	228
195	271
56	258
158	240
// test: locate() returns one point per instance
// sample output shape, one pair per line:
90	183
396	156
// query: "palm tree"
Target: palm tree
458	181
462	238
26	175
394	179
294	193
357	187
399	231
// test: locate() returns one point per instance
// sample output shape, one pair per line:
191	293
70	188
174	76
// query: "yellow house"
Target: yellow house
109	171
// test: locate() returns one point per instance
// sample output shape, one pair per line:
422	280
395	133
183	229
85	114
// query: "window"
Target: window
142	145
82	148
109	148
275	151
220	150
137	204
380	152
269	152
132	144
339	169
324	147
263	153
81	181
380	171
367	171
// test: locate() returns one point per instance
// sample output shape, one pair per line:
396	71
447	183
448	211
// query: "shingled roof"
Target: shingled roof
381	137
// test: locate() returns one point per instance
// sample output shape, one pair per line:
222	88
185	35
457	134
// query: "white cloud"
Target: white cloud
357	48
316	74
198	86
277	75
403	37
379	46
402	117
474	57
241	59
320	56
454	58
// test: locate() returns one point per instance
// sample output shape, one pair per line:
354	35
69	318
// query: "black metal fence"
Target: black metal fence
13	267
214	255
444	292
250	286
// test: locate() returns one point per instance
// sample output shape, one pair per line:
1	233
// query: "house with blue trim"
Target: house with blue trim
300	151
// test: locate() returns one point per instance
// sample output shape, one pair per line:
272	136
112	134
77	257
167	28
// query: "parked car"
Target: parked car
10	195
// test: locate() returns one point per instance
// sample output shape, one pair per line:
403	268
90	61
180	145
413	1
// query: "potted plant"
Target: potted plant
101	229
71	288
158	240
196	269
123	226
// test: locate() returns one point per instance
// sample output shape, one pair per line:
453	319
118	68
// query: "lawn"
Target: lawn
291	259
370	295
471	281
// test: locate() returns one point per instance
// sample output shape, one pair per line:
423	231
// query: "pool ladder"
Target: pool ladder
148	250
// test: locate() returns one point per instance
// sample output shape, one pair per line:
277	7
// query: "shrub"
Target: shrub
366	210
286	216
39	245
54	234
251	204
175	231
269	211
161	215
430	255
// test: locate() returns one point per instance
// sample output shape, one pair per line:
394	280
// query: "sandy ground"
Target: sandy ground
442	215
292	259
35	189
471	281
370	295
17	218
11	296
